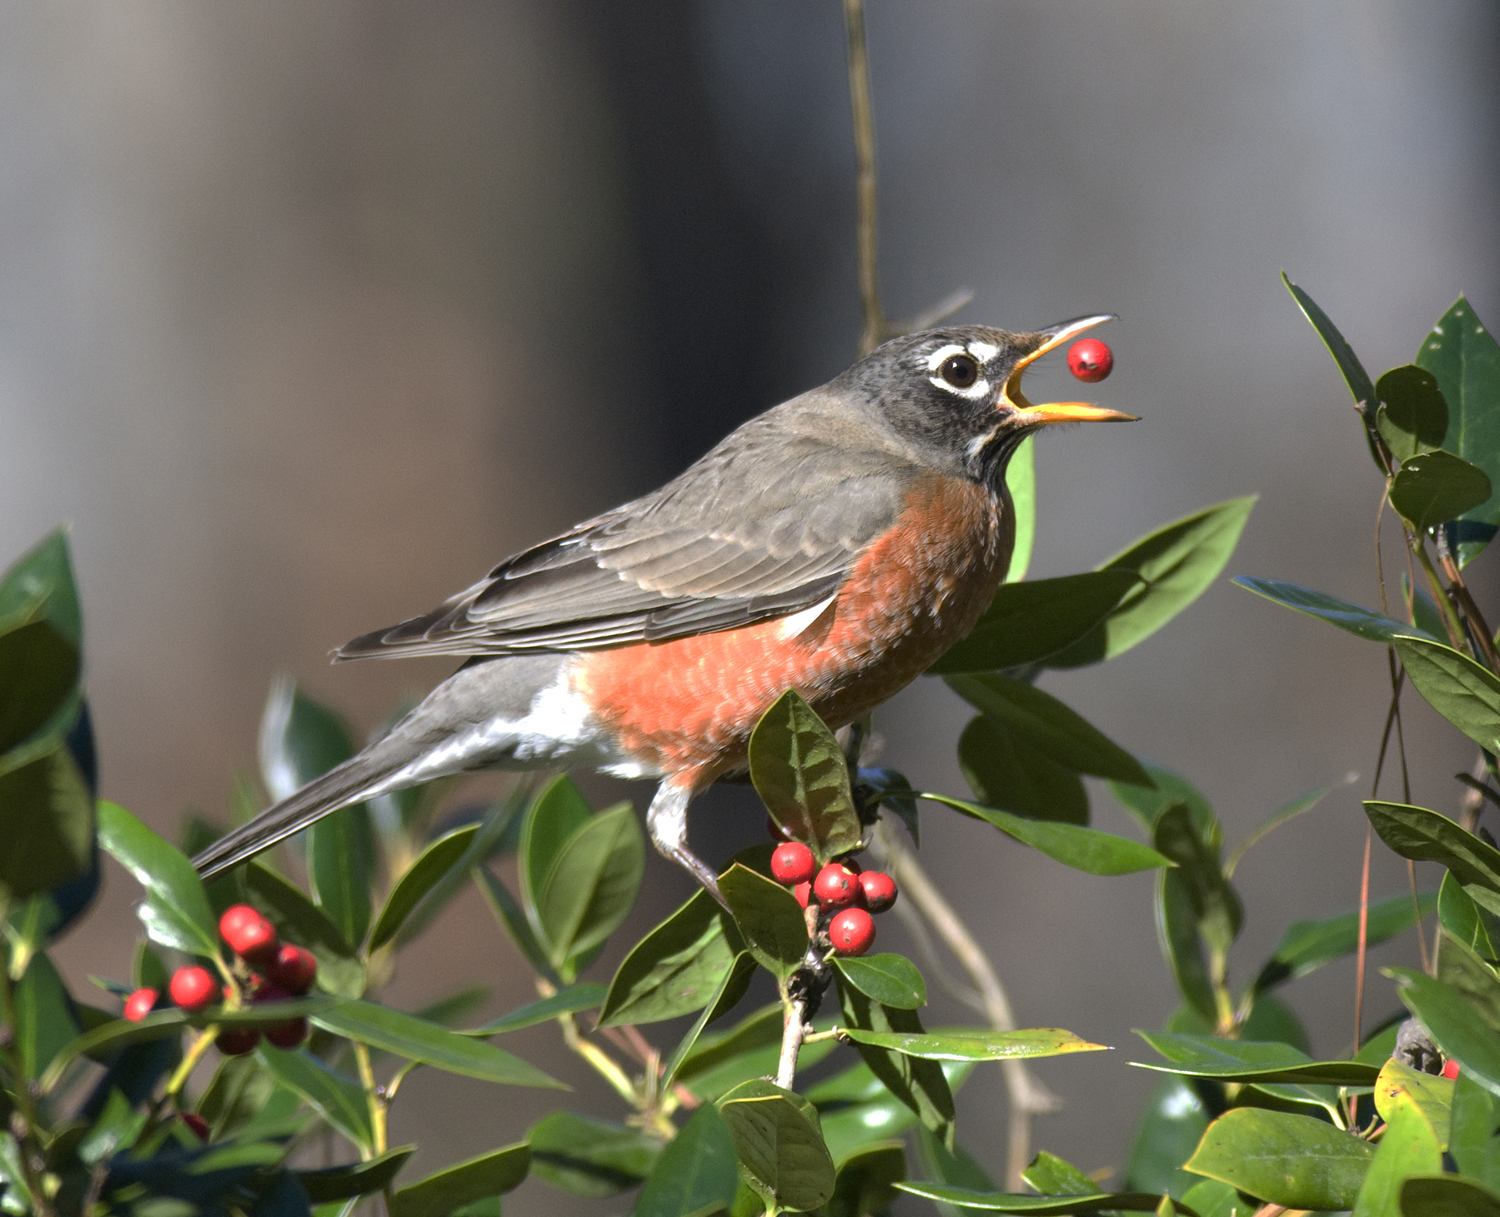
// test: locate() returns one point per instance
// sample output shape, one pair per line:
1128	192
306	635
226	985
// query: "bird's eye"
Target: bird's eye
960	371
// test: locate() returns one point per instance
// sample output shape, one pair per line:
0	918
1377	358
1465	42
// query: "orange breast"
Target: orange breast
688	706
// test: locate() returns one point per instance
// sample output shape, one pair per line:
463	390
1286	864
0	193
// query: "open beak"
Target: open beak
1049	413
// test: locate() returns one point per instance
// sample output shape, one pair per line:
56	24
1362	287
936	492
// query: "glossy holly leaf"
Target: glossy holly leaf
1085	849
1171	1125
418	1040
1413	416
1020	482
1352	618
1039	1206
38	670
1465	359
757	1030
1348	363
354	1179
1007	773
973	1045
1409	1146
41	582
590	1157
591	884
569	1001
432	865
1286	1159
1434	487
676	968
1455	1026
1459	689
697	1172
490	1174
43	1021
892	980
1400	1085
800	773
1471	976
1177	564
1447	1196
554	816
338	1099
510	915
46	823
1027	622
779	1145
917	1082
1169	789
857	1111
731	990
893	790
1210	1198
1471	925
1250	1061
1043	722
1216	907
1474	1116
1425	836
294	914
769	918
1298	806
1308	945
1051	1175
176	912
866	1181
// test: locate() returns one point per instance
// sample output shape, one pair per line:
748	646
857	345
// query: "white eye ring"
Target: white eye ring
939	359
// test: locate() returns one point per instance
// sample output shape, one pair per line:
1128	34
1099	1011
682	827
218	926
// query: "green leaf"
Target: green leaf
431	865
554	816
341	859
1147	804
1050	727
1276	819
866	1181
918	1083
44	1021
1051	1175
892	980
1293	1160
1308	945
569	1001
355	1179
1020	483
591	884
1460	967
674	969
1413	417
1454	1025
696	1174
759	1029
1039	1206
176	912
509	914
1177	564
1028	622
1447	1196
47	824
1348	363
1464	693
1409	1146
338	1099
1181	944
418	1040
590	1157
303	922
1171	1125
43	579
1007	773
1085	849
1352	618
1210	1198
490	1174
769	918
38	669
1434	487
779	1145
1473	926
1399	1085
800	773
975	1045
1250	1061
1425	836
1473	1119
1216	907
1465	359
731	990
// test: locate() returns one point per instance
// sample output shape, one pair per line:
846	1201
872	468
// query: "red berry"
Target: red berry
196	1122
237	1041
1450	1068
265	992
775	831
793	863
288	1034
294	969
139	1004
194	989
249	935
852	932
879	889
1090	360
836	886
803	892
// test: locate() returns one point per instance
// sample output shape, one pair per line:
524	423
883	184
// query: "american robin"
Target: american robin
836	544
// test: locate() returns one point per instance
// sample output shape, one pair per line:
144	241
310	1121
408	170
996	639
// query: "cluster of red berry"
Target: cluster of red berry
844	893
272	972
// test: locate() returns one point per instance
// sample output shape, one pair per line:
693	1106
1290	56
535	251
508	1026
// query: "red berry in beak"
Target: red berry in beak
1090	360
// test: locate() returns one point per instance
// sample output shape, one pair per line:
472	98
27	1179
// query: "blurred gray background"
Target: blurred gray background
310	312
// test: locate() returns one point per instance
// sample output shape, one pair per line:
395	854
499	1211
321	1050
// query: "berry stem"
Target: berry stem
189	1061
373	1096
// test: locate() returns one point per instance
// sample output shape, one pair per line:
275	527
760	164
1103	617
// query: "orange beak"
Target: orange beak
1052	412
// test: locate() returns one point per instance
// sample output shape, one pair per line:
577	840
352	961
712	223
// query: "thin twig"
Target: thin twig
866	230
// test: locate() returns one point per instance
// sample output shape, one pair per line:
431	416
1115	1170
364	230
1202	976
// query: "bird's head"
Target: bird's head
953	395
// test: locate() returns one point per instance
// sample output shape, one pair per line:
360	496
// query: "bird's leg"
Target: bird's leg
666	821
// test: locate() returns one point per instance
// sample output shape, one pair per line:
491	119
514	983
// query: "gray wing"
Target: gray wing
767	523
